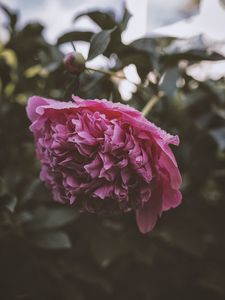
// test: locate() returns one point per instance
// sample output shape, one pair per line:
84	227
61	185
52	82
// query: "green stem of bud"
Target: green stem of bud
107	72
73	46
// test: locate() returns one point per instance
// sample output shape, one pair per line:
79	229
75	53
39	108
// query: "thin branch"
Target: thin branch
73	46
107	72
151	103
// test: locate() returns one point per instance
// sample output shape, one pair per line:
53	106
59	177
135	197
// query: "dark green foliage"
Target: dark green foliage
75	36
99	43
50	251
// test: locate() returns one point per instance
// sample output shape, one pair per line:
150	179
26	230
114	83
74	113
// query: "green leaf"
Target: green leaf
193	49
29	191
146	44
75	36
11	15
180	46
126	17
54	240
33	29
219	136
169	82
51	218
99	43
142	60
11	203
103	20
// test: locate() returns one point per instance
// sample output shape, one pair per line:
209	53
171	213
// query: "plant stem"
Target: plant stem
73	46
107	72
151	103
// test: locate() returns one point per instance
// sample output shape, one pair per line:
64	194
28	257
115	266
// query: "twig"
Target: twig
148	107
107	72
111	74
73	46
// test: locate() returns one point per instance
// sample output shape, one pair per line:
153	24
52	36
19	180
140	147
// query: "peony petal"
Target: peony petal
118	136
104	149
94	167
171	197
166	162
146	217
103	191
32	105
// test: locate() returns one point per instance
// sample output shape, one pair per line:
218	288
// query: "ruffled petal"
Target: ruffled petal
146	217
32	104
99	150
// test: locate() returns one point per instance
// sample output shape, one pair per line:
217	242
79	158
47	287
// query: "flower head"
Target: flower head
105	157
74	62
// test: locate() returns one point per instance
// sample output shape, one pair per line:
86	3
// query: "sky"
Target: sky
160	16
210	23
57	15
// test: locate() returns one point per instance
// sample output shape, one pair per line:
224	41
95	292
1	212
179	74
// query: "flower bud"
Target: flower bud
74	62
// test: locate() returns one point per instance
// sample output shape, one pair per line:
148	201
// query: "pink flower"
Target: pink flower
105	157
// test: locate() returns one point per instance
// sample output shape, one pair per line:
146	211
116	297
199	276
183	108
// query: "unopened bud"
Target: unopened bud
74	62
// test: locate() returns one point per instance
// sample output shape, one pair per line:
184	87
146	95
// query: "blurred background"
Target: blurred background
57	15
49	251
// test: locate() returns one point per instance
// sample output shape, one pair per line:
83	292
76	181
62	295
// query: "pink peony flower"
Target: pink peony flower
105	157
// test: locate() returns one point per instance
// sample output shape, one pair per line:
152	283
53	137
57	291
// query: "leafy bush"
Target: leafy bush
49	251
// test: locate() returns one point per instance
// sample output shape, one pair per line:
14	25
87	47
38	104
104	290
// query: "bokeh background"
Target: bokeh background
49	251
